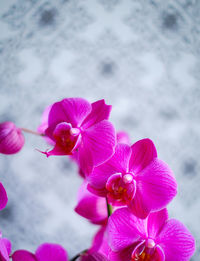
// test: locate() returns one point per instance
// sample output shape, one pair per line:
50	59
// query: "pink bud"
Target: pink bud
11	138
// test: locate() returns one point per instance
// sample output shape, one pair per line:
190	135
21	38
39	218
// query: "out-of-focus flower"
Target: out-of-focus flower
3	197
45	252
123	137
74	124
11	138
92	257
135	177
155	238
5	248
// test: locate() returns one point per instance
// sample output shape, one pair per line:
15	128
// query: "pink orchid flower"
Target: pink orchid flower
5	248
3	197
74	124
136	178
11	138
45	252
90	206
155	238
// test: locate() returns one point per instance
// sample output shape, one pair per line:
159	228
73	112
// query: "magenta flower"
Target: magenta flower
5	248
45	252
3	197
135	177
91	207
11	138
76	125
123	137
154	238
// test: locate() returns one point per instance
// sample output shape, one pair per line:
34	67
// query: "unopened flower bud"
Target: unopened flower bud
11	138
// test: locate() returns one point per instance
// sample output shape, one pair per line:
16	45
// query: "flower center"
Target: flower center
121	188
144	251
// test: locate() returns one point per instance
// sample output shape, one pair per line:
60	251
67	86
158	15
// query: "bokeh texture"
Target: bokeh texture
143	57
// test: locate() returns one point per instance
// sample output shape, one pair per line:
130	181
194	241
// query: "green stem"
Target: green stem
109	208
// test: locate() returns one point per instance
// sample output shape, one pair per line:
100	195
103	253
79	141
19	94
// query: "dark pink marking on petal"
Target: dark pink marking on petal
176	241
51	252
100	111
143	152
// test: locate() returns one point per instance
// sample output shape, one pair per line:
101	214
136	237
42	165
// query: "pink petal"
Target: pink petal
3	197
100	242
71	110
100	111
124	229
123	137
51	252
91	206
143	152
156	185
4	256
98	144
93	257
23	255
176	241
7	244
156	221
98	192
159	254
123	255
57	151
118	163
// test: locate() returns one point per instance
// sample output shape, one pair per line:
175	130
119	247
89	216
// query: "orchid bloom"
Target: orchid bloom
136	178
5	248
45	252
11	138
155	238
3	197
74	124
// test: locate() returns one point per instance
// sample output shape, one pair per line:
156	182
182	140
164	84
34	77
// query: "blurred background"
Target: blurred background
140	56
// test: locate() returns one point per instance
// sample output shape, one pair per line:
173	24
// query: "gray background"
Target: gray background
141	56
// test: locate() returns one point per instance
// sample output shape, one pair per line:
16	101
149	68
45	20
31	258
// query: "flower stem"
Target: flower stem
109	208
78	255
32	132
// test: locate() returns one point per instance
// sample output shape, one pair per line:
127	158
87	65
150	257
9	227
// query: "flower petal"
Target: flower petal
93	257
118	163
100	111
4	256
7	244
23	255
143	152
123	137
3	197
176	241
71	110
51	252
125	229
123	255
90	206
156	221
98	145
157	185
100	242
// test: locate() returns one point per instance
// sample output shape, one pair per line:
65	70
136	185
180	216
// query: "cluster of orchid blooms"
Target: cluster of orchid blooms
125	190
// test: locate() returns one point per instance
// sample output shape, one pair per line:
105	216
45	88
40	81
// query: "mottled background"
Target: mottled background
141	56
